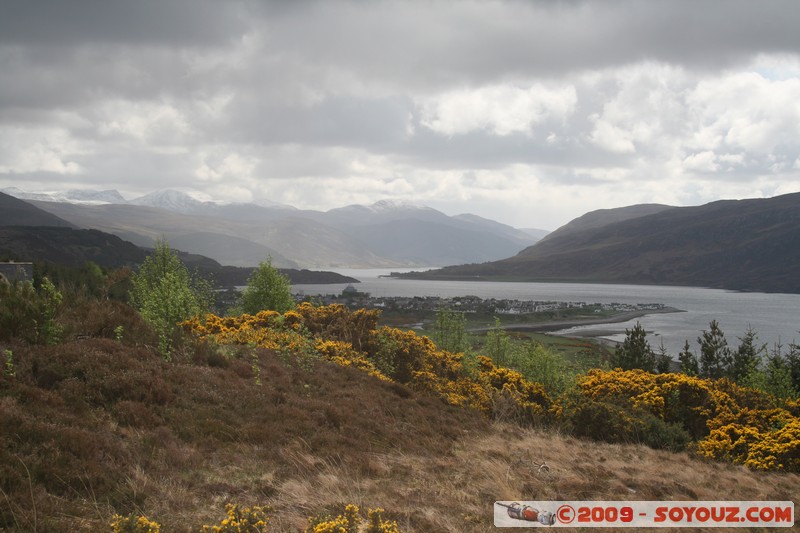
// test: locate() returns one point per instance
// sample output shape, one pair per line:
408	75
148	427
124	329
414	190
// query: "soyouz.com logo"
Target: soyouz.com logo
644	514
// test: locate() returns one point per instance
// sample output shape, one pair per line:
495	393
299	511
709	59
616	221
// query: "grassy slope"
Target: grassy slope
97	426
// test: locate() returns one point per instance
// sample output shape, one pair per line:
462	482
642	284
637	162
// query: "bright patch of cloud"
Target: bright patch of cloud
153	123
231	167
747	111
28	150
499	109
702	162
611	137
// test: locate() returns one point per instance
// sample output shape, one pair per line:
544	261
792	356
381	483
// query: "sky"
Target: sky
531	113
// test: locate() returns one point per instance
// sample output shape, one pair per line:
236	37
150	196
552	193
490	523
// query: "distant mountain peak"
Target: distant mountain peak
169	199
109	196
271	204
395	205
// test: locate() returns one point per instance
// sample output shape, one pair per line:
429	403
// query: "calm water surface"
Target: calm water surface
776	317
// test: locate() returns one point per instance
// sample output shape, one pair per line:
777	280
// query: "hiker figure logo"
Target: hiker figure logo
517	511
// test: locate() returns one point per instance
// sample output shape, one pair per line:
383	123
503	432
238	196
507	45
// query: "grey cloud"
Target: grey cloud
375	124
307	88
434	44
481	150
144	22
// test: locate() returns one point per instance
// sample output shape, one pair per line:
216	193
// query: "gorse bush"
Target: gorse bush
256	520
666	411
350	520
241	520
134	524
728	422
352	338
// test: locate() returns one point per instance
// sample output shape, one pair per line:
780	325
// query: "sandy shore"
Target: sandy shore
555	325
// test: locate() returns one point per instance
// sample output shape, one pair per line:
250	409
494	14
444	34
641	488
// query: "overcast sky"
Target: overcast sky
528	112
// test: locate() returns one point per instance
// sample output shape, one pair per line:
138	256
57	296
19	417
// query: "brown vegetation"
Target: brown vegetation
97	426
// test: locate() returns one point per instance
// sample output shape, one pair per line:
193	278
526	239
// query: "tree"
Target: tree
793	362
663	360
688	360
450	331
498	345
267	289
544	365
747	357
166	294
635	351
715	356
772	375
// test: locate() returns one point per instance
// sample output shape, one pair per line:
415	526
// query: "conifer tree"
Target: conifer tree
747	356
716	359
663	360
635	351
688	360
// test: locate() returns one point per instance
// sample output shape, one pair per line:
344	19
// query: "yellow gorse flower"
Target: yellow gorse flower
242	520
728	422
134	524
732	423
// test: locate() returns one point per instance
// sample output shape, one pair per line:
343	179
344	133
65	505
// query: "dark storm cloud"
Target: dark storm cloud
139	22
433	43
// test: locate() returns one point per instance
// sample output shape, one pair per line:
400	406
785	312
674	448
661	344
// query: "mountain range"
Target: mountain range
749	244
384	234
28	233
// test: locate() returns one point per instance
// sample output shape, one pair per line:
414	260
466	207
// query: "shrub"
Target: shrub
134	524
241	520
30	314
608	422
776	449
730	423
336	322
107	319
350	520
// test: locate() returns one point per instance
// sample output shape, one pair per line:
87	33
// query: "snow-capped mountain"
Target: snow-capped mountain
90	196
395	205
171	200
385	233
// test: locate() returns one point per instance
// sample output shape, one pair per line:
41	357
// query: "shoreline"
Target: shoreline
555	325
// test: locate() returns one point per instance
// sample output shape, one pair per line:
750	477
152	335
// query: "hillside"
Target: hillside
604	217
98	426
68	246
15	212
73	247
739	245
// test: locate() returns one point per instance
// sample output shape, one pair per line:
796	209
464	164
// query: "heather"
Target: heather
320	417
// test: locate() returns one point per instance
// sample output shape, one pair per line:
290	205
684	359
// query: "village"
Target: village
354	299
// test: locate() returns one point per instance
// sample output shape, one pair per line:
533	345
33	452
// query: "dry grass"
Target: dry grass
96	427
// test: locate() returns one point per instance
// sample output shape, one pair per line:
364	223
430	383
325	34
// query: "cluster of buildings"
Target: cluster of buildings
354	299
